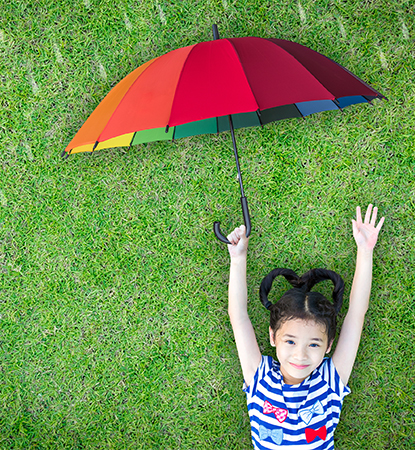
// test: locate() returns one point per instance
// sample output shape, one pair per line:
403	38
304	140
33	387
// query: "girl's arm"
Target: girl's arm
248	350
365	234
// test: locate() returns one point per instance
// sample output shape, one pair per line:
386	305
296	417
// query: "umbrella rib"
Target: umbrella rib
132	139
370	101
336	102
150	63
243	70
258	113
299	111
177	84
379	95
216	37
302	65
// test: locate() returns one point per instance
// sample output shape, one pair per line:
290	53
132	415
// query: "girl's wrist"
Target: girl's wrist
368	252
237	259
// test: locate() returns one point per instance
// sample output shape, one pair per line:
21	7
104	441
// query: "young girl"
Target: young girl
296	402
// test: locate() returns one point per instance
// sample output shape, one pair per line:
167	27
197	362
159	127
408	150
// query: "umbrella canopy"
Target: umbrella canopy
192	90
215	86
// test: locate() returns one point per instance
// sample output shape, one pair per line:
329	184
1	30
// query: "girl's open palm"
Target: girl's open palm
365	233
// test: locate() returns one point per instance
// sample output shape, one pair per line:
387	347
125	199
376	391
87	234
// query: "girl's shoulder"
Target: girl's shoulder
268	369
328	373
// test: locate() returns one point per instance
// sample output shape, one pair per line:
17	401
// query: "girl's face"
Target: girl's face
301	346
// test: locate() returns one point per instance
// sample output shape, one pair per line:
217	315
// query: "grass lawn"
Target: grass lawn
113	288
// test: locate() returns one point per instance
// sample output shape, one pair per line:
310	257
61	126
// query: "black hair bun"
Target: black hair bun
306	282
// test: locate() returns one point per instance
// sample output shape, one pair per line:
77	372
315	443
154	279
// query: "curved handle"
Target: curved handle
247	220
218	234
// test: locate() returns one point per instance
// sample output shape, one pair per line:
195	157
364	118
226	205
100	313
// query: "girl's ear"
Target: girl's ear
329	347
271	337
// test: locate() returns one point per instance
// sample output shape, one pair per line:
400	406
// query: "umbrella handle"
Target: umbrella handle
247	220
218	234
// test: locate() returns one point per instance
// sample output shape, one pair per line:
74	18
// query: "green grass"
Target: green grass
113	289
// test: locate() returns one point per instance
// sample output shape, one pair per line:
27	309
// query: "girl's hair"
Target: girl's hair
300	303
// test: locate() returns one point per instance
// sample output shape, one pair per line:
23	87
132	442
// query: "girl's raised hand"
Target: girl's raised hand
365	233
239	242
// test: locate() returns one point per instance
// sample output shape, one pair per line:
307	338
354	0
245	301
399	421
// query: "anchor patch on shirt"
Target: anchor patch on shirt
280	414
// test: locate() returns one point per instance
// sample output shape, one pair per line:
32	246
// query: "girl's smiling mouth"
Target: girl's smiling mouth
296	366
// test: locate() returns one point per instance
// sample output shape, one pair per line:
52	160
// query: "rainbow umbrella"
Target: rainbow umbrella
216	86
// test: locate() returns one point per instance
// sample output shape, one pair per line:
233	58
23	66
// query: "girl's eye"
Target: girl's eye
290	342
314	345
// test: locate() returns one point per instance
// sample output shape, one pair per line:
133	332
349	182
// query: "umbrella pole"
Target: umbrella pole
235	151
244	202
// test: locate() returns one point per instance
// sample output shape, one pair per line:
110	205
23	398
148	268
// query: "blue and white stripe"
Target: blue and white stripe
322	393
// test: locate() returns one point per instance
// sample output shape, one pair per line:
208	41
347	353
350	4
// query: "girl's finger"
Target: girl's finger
232	238
355	229
236	235
368	212
375	213
358	215
380	224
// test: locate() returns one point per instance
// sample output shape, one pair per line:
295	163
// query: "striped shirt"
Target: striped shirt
303	416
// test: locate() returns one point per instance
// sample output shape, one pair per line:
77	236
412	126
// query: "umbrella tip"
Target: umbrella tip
65	155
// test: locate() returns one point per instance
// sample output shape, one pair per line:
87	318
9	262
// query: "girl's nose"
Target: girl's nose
301	353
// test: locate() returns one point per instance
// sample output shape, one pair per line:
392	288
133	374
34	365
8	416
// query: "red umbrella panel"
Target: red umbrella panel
194	90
